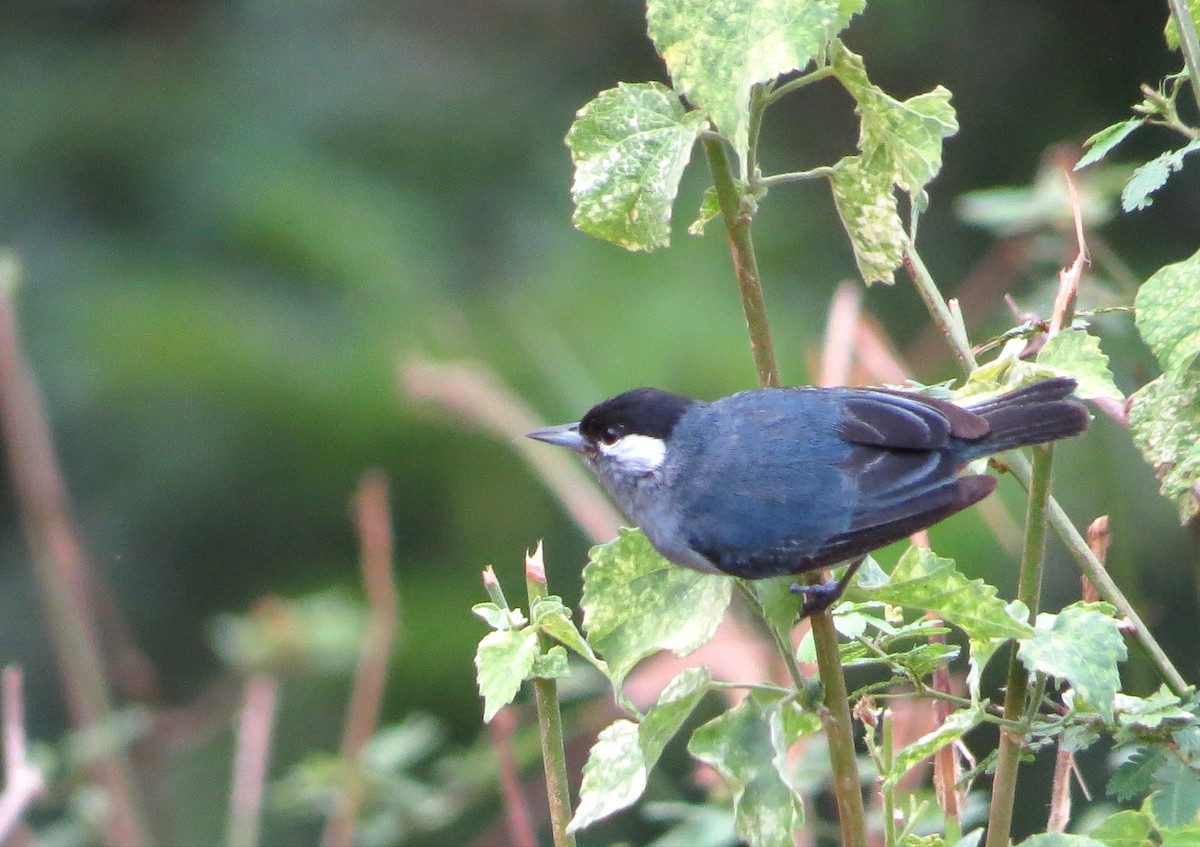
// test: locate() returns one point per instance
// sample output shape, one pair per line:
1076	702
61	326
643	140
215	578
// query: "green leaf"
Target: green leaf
630	145
1082	645
503	661
625	753
710	208
1123	829
554	619
1151	176
674	706
1164	420
716	52
866	204
1187	836
748	746
499	617
614	776
781	606
1135	776
1007	372
1166	316
636	603
924	580
1177	798
1171	30
1059	839
1148	714
1105	140
956	725
1076	353
900	137
550	665
695	826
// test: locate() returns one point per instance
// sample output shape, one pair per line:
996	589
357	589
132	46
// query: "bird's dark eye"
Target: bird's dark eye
612	434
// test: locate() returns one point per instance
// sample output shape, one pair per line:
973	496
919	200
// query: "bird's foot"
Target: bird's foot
818	598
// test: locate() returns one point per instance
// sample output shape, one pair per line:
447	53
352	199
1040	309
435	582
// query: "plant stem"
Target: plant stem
1022	470
550	725
798	83
736	209
1189	43
59	565
820	172
1029	590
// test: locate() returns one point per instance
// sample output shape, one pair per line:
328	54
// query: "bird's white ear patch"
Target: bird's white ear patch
636	453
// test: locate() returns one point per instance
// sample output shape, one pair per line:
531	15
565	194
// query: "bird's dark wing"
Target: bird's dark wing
889	468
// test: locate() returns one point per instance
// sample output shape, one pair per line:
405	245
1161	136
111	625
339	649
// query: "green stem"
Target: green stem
888	756
1029	591
1022	470
1189	43
821	172
736	209
798	83
550	726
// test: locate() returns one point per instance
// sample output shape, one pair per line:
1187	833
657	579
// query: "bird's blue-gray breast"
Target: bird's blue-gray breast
762	489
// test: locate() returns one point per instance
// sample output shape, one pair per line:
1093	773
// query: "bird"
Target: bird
782	481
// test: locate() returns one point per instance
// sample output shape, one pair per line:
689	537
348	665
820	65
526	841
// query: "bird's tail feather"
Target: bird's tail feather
1035	414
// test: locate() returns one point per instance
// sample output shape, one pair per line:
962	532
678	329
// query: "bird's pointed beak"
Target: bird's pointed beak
564	435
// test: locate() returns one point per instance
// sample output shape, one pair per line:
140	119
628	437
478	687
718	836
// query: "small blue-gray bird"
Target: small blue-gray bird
785	480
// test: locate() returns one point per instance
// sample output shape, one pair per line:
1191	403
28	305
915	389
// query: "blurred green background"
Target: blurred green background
236	216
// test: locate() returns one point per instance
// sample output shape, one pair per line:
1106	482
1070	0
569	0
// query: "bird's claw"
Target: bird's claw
818	598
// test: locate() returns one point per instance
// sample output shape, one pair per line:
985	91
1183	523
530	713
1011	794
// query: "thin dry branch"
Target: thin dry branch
373	520
23	782
251	756
475	395
516	809
59	565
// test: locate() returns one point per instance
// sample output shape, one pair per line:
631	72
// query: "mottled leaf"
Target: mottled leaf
1167	313
1076	353
614	776
503	661
554	619
1164	420
748	746
866	204
924	580
1080	645
1171	30
956	725
630	145
636	603
717	50
625	753
901	137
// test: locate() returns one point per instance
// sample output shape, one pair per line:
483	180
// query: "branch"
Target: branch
373	521
58	562
250	760
1188	43
23	782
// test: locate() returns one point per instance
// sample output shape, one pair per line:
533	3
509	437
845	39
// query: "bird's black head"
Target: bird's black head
625	436
643	411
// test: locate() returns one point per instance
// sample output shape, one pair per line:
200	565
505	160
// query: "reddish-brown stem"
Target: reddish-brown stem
373	520
251	756
58	562
516	810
